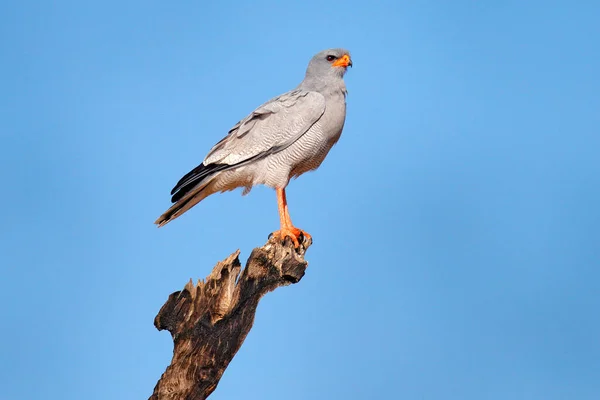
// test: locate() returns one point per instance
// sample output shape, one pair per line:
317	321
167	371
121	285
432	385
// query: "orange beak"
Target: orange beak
343	61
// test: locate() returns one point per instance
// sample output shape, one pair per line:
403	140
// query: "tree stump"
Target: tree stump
209	321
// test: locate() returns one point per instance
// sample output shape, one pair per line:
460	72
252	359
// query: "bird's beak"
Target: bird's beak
343	61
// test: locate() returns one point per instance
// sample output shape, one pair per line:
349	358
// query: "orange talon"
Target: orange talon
298	232
287	232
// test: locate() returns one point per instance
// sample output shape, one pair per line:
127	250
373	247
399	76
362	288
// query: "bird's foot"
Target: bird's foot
293	233
287	232
300	233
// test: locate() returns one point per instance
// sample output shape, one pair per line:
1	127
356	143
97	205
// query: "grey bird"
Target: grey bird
283	138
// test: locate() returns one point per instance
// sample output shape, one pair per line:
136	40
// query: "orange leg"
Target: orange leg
296	231
287	228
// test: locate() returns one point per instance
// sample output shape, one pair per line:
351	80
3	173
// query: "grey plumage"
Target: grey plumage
283	138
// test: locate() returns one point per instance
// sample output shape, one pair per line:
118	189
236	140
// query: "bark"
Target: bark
209	321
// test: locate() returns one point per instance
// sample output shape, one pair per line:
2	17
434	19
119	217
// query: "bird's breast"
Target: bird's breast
311	149
329	128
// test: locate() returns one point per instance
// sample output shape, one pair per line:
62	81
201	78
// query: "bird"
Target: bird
282	139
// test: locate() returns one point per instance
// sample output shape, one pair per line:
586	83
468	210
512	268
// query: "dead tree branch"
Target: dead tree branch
209	321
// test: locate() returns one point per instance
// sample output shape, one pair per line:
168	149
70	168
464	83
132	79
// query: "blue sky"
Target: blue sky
455	223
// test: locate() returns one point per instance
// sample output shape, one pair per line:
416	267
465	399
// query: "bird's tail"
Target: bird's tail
194	187
191	198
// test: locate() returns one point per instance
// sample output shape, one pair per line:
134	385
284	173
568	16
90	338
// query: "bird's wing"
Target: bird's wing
270	128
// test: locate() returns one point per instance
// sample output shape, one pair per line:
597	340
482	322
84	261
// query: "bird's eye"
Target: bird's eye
331	58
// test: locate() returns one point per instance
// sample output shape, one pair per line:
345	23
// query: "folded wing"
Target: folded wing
269	129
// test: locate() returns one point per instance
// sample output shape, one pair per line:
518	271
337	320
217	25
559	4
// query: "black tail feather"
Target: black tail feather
193	178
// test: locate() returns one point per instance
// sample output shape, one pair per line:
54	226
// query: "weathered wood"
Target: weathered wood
209	321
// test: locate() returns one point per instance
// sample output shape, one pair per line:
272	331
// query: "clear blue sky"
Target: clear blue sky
456	223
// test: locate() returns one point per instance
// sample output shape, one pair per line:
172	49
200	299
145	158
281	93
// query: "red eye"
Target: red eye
331	58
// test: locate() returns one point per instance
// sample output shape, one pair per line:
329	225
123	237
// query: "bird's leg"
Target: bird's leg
286	226
296	231
287	229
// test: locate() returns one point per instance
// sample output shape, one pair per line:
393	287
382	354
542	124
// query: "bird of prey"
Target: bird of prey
283	138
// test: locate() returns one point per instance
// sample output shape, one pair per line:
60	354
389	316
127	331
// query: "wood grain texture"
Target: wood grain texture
209	321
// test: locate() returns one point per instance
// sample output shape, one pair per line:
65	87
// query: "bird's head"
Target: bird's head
331	62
